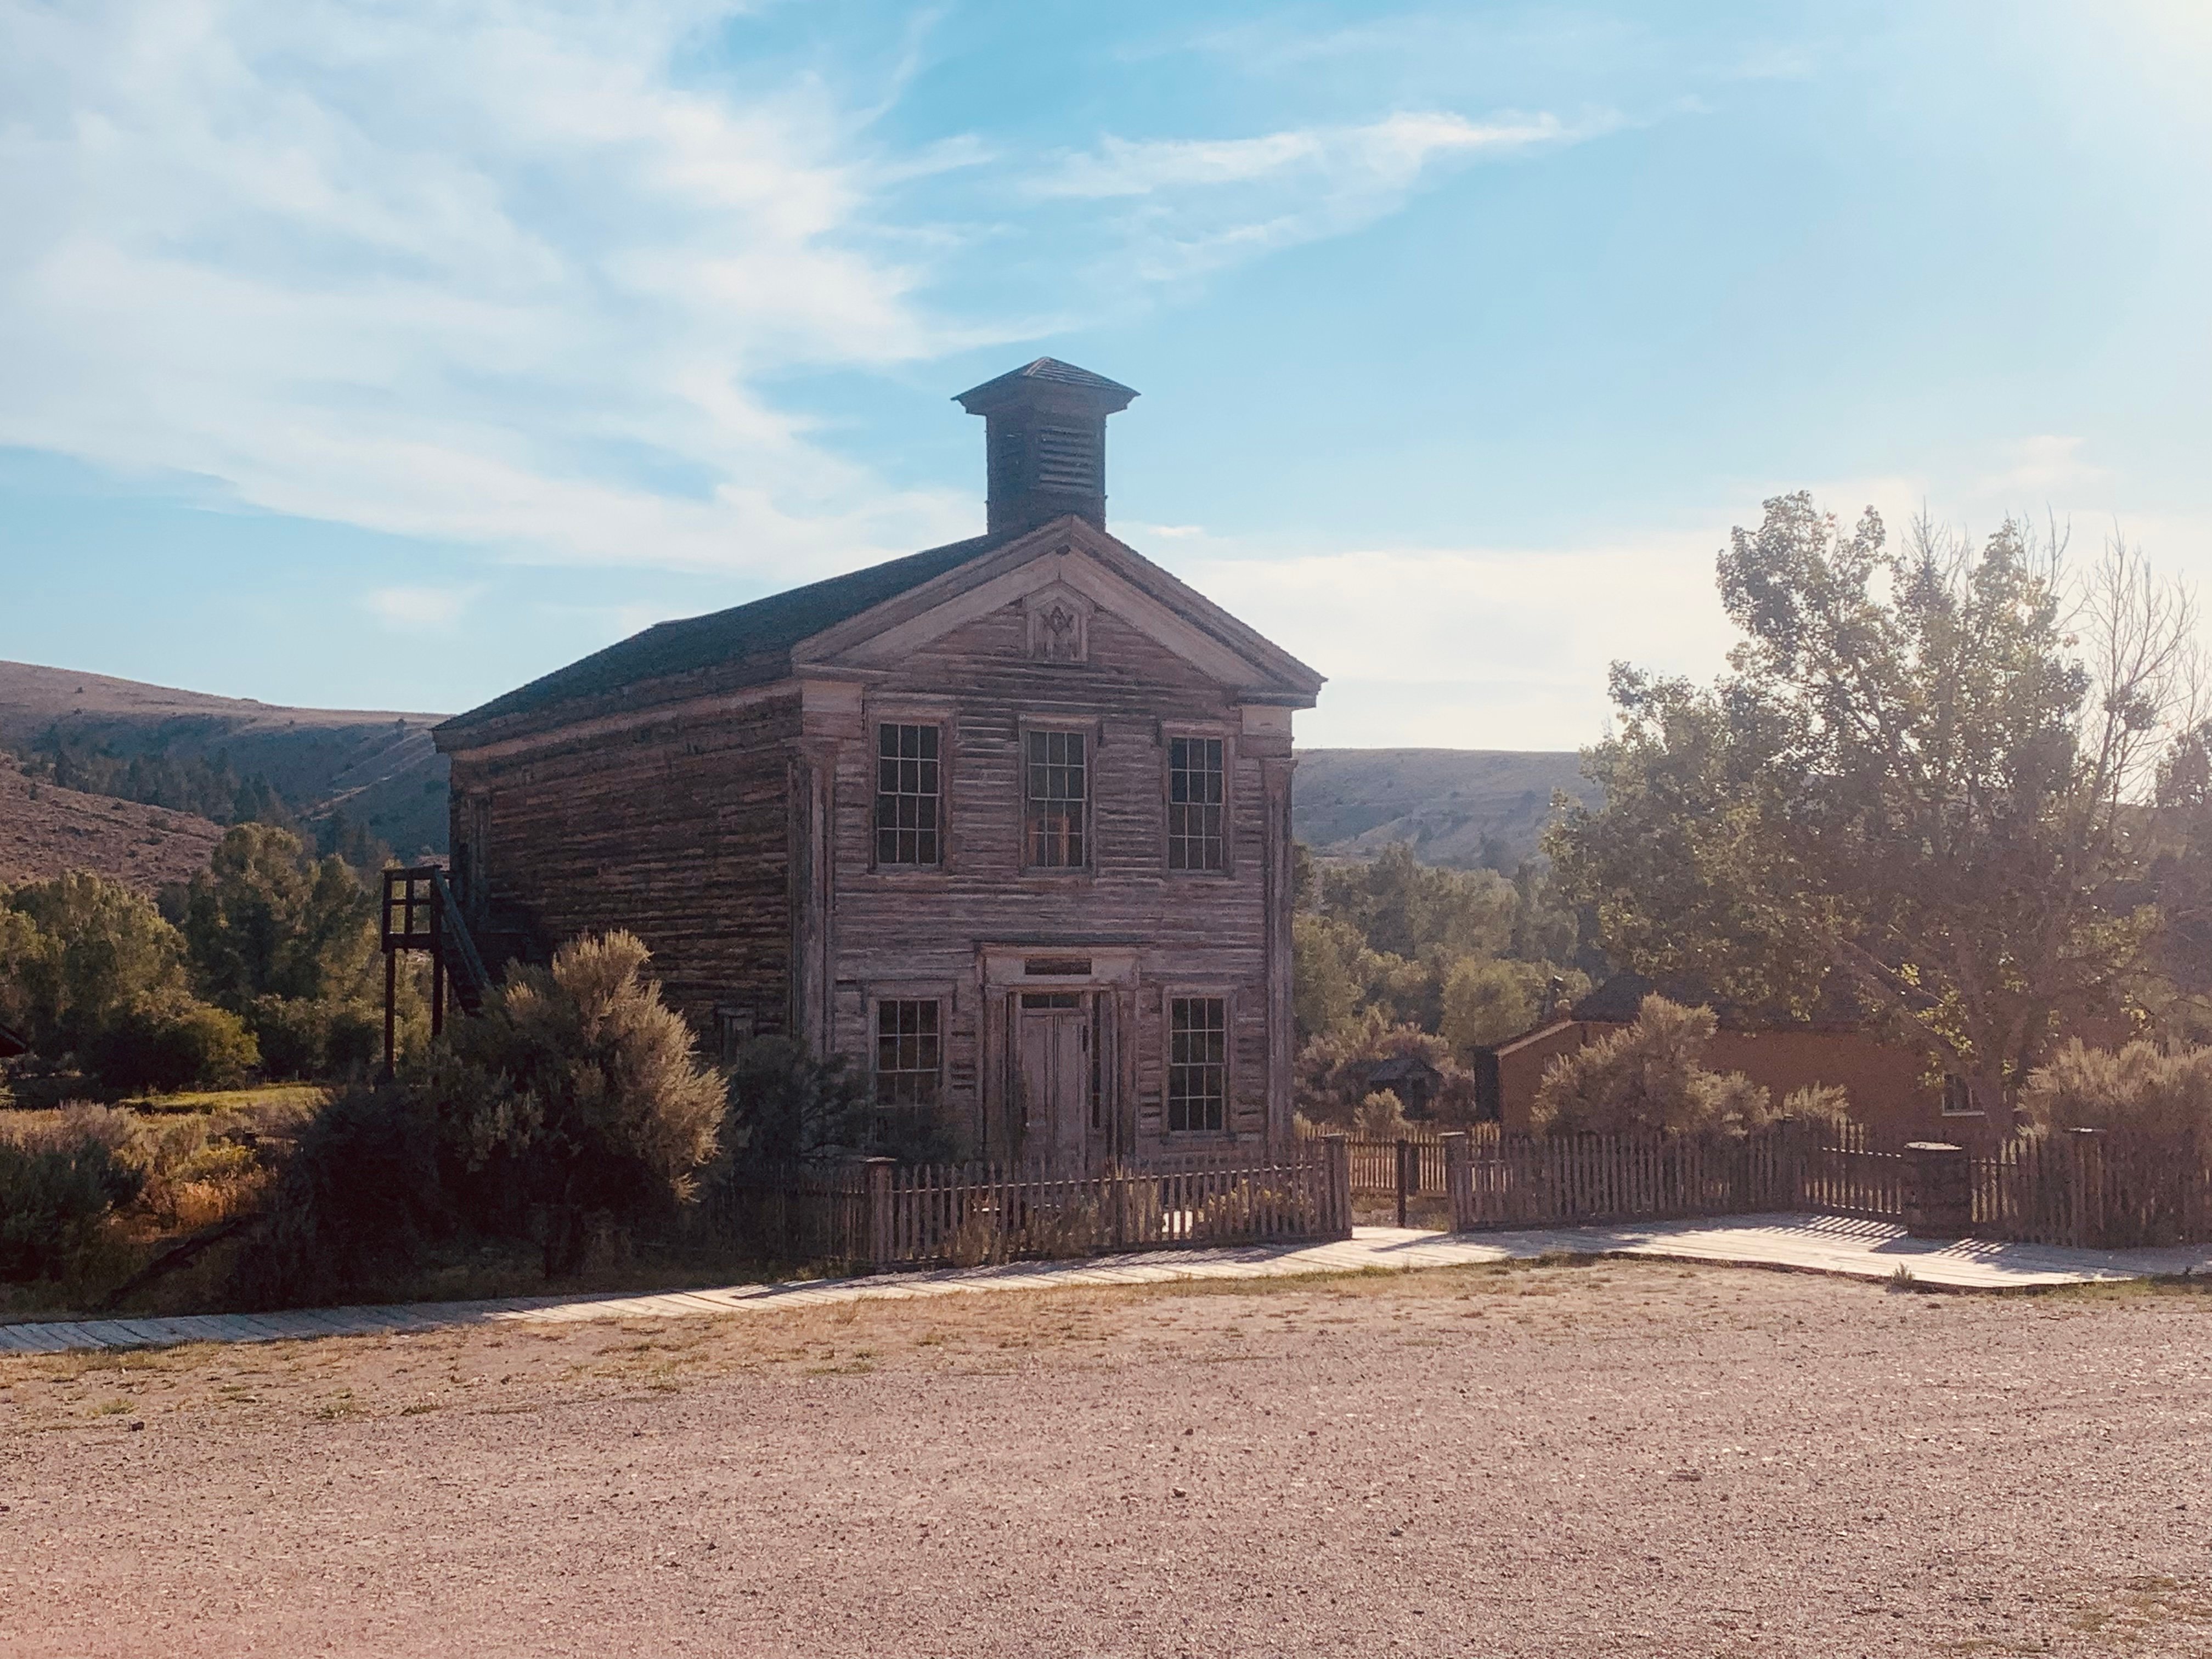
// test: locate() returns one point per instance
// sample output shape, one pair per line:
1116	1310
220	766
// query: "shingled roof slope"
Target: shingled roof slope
1050	368
760	629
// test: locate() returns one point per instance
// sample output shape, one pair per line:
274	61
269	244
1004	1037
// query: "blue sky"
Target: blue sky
387	356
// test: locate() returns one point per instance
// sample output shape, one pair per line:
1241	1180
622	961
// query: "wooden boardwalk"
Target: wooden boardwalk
1829	1245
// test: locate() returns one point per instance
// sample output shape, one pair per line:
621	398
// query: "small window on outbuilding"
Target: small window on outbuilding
1197	1064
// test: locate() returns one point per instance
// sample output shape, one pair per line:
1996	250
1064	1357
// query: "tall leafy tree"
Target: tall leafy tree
79	951
267	919
1923	775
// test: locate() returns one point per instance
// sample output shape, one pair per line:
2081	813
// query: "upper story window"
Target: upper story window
1055	791
1194	804
910	795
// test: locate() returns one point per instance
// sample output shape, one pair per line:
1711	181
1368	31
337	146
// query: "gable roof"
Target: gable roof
803	629
756	631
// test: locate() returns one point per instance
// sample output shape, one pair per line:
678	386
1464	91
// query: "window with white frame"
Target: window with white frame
1056	792
1197	1064
909	1051
909	795
1195	792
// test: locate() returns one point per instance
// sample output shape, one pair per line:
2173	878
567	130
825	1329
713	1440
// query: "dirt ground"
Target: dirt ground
1616	1458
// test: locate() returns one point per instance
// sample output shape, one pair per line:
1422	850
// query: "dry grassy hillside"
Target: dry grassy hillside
45	831
1453	805
377	767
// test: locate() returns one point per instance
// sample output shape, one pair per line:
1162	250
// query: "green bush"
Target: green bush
354	1207
2142	1089
170	1042
574	1101
787	1106
314	1037
59	1183
1645	1078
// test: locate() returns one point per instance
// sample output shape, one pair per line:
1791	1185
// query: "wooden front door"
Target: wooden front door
1055	1051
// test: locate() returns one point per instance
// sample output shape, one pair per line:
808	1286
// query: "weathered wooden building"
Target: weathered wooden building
1898	1092
1007	821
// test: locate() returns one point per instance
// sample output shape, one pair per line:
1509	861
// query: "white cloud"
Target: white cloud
415	609
1196	204
2039	467
500	275
1478	647
488	275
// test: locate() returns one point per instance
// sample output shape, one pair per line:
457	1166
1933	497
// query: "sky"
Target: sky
389	354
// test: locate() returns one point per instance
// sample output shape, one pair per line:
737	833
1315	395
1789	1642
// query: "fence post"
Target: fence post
1785	1150
1459	1178
1408	1174
2086	1187
877	1243
1939	1190
1336	1169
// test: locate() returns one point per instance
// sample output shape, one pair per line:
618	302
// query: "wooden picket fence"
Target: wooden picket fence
1375	1163
1534	1181
2099	1191
2089	1191
879	1213
1839	1175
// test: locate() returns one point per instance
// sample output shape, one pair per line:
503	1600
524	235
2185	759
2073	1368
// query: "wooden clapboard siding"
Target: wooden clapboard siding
1198	932
676	831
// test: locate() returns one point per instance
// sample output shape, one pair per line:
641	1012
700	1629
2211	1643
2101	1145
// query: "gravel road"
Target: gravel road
1623	1458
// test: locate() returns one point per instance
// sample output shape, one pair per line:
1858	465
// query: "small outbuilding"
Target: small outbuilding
1897	1091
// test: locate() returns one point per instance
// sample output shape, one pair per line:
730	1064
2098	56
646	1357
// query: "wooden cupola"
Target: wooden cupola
1044	434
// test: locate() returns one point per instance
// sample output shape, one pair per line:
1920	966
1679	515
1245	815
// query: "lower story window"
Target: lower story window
909	1052
1198	1063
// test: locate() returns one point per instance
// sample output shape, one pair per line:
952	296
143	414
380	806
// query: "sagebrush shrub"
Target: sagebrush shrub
1646	1077
60	1181
573	1104
2142	1089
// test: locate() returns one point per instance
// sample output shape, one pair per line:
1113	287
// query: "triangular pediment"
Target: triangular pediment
1061	575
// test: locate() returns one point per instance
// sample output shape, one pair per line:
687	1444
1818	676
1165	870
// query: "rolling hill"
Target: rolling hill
1456	806
45	831
378	768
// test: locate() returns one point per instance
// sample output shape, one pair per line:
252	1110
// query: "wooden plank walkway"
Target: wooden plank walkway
1829	1245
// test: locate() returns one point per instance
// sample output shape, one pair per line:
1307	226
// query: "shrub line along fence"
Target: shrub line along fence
2082	1188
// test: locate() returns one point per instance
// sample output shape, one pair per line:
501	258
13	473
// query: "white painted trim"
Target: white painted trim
1111	966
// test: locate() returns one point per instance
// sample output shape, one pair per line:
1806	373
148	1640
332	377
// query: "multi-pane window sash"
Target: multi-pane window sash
909	1052
1195	797
910	793
1057	785
1198	1063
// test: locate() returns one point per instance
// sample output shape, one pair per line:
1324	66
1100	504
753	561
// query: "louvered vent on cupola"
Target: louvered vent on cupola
1045	436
